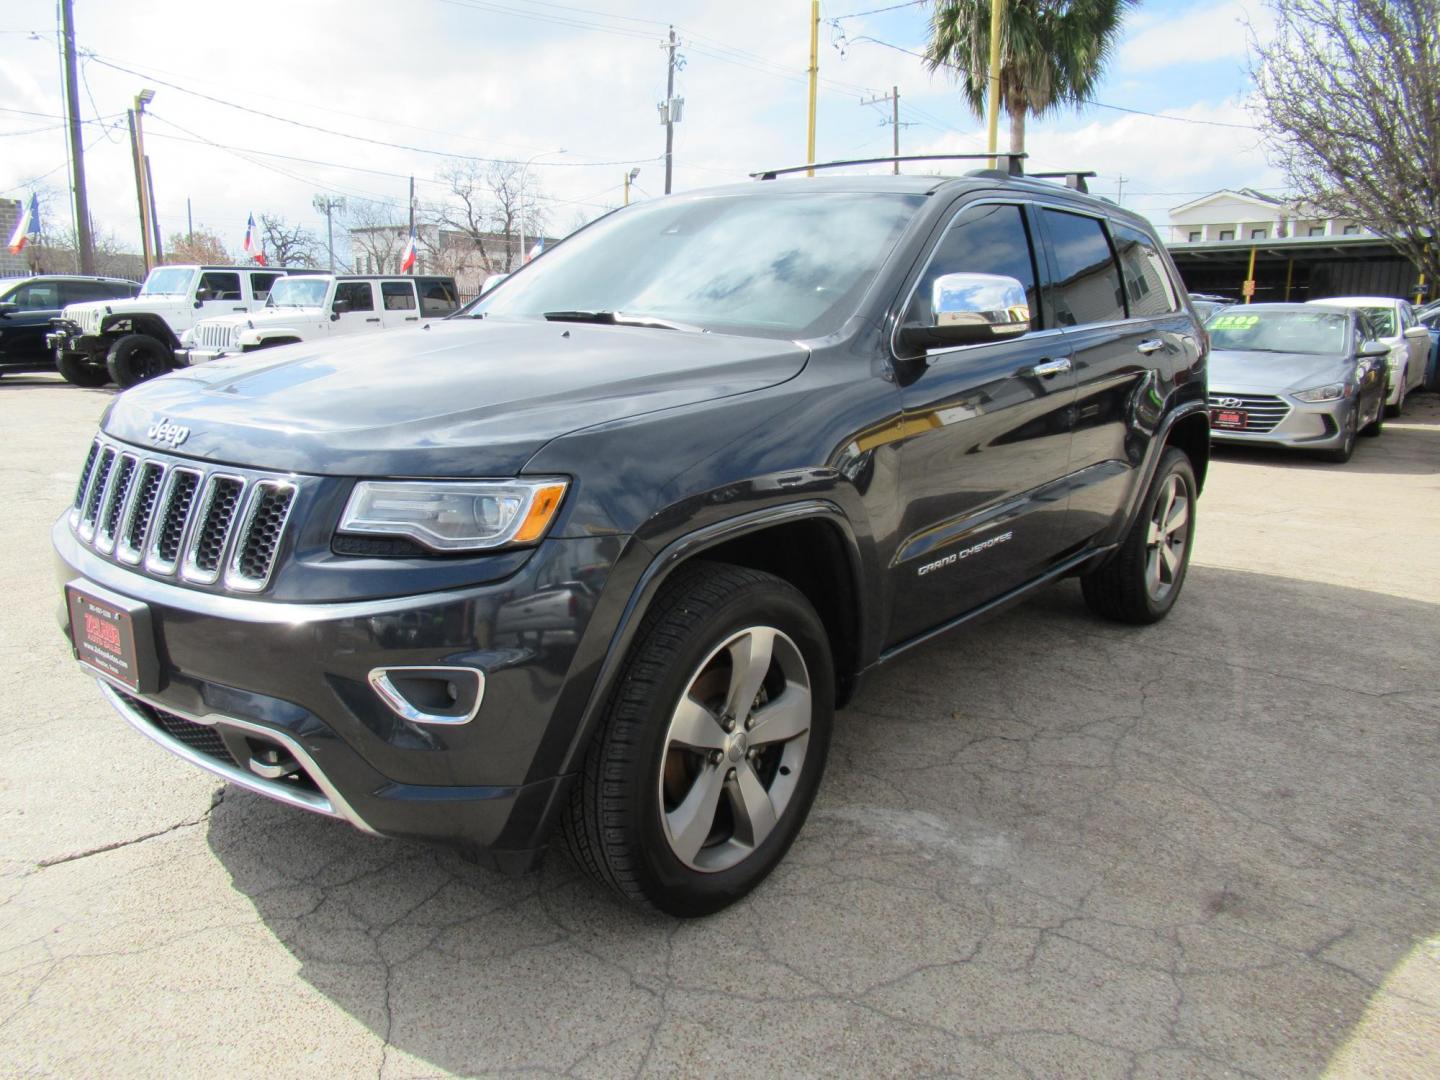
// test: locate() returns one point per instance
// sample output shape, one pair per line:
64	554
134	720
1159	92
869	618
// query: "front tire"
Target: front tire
712	747
135	358
79	370
1342	453
1141	581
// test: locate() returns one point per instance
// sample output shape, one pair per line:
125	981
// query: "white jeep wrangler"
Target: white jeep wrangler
127	341
320	306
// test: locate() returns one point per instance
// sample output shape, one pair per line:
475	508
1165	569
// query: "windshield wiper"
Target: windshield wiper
619	318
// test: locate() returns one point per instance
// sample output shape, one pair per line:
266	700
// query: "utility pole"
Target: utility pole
412	221
1120	182
997	9
154	217
668	110
894	99
328	206
189	220
814	76
139	190
83	236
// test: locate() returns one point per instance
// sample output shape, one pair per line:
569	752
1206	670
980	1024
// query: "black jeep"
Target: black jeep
604	551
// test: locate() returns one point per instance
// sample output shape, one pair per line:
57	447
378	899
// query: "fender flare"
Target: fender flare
663	564
145	322
1156	450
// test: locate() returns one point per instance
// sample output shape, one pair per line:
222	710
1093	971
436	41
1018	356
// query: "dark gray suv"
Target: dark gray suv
604	552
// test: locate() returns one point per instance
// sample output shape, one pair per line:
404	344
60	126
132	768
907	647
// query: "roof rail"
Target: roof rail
1013	161
1073	179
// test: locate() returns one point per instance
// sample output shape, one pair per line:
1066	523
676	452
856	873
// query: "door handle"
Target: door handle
1150	345
373	318
412	318
239	309
1051	367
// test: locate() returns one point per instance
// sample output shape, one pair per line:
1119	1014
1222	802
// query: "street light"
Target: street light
630	179
523	173
148	226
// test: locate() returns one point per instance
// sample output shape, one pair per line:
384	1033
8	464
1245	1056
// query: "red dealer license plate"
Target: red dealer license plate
1232	419
111	635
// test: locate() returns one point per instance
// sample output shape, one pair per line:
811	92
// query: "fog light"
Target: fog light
430	695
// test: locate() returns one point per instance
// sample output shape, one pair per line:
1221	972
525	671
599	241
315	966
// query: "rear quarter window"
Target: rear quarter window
1148	289
1087	285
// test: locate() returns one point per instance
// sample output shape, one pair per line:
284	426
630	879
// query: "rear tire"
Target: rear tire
137	357
712	746
1399	407
1141	581
80	370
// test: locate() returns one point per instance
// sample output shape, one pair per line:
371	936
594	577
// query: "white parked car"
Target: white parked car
1395	324
132	339
315	306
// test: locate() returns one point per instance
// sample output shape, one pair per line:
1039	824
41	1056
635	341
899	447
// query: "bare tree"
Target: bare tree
286	244
377	236
200	246
1350	89
481	214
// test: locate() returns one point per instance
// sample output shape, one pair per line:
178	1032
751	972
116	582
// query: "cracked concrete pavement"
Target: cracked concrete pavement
1046	846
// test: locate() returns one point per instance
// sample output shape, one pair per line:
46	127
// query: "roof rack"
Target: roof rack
1073	180
1013	162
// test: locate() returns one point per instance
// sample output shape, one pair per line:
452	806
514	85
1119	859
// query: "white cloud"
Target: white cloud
1204	33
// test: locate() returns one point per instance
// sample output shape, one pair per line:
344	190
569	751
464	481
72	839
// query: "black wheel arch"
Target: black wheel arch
117	326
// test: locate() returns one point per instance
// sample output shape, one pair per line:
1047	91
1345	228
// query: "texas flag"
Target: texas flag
26	227
536	250
407	260
252	242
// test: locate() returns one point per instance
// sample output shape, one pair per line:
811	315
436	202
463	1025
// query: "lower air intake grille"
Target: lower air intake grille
198	737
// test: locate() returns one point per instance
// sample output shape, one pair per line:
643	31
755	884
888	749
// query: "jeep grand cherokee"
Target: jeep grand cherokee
604	552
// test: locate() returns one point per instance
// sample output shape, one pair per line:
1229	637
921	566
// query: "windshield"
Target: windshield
775	264
167	281
298	292
1278	331
1382	319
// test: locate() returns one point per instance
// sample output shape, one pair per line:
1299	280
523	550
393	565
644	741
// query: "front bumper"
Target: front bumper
190	357
244	682
1306	426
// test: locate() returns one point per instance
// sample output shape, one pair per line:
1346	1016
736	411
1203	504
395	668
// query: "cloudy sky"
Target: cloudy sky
261	105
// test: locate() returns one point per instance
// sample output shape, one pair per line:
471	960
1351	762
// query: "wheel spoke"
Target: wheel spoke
754	812
782	719
696	726
1170	559
1179	515
750	661
1152	569
690	822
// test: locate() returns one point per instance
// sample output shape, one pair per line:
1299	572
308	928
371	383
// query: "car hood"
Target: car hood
157	304
268	316
458	397
1241	371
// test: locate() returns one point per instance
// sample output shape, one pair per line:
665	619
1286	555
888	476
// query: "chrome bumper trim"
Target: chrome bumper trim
331	803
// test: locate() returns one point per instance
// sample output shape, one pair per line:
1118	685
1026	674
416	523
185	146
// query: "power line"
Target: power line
878	11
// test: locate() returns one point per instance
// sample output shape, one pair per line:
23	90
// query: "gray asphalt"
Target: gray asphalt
1046	846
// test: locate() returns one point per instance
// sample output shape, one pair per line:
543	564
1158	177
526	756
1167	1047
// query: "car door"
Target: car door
983	439
219	292
1120	311
22	331
354	307
399	307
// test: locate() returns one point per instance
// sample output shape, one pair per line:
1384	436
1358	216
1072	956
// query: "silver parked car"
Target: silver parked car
1295	376
1409	342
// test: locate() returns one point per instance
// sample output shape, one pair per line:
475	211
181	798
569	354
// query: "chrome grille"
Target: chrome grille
1263	411
212	335
164	515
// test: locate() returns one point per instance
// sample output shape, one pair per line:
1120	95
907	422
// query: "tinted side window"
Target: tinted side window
218	286
398	295
36	296
438	298
357	293
1087	289
981	240
120	289
1147	284
260	285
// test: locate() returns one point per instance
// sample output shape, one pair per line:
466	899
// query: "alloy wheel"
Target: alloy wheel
1165	541
734	750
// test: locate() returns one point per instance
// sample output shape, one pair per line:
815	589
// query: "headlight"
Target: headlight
187	338
1329	392
468	515
235	332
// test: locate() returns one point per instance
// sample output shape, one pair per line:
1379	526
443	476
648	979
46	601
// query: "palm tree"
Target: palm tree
1052	52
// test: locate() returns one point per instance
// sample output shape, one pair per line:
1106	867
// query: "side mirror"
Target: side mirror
340	307
971	309
1373	348
6	307
198	302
